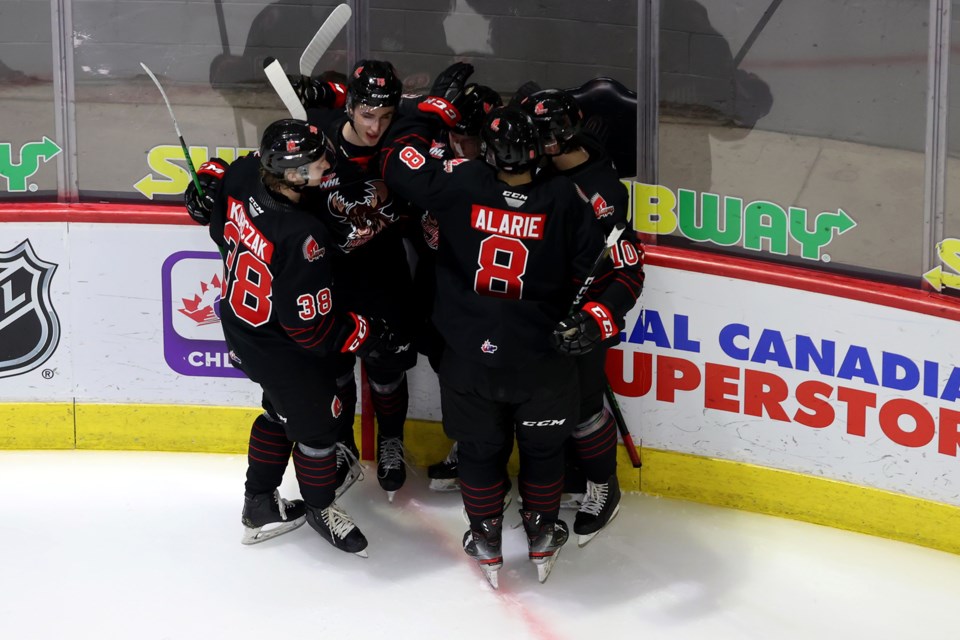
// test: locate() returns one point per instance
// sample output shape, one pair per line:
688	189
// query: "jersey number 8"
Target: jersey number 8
248	280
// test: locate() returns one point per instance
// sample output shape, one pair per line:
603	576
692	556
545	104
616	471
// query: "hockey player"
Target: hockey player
577	156
510	254
370	262
286	328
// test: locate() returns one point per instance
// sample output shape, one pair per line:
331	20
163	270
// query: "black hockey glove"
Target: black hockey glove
450	82
365	335
209	176
584	330
315	93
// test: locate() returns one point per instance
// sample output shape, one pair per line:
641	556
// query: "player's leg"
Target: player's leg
483	432
314	416
391	398
265	514
544	421
594	442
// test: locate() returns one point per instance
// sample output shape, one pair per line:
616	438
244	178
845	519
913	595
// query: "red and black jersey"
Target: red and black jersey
510	258
278	295
621	280
353	198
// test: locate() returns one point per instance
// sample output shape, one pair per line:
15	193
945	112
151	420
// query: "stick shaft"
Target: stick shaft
324	37
176	127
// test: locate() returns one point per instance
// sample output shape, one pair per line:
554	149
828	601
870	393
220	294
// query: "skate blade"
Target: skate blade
259	534
362	553
390	495
544	565
571	501
444	484
583	539
492	574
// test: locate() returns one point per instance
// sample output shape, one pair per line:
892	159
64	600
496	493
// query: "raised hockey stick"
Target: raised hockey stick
321	41
183	145
608	392
281	84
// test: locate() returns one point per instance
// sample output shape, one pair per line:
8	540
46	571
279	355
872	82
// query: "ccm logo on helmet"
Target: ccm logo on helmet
543	423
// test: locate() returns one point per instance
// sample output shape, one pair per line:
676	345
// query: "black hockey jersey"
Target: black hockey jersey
277	299
353	197
509	259
621	280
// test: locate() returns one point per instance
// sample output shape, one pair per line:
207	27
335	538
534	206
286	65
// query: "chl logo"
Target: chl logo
29	326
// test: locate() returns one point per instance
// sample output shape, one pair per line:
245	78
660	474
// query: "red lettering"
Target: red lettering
764	391
949	432
857	403
675	374
814	395
721	387
642	376
923	431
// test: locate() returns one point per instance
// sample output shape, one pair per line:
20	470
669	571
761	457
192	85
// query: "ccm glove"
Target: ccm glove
440	109
315	93
451	81
209	175
584	330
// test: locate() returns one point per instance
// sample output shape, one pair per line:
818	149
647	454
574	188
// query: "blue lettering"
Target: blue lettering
824	359
770	346
951	390
856	364
651	328
681	335
930	372
727	336
893	365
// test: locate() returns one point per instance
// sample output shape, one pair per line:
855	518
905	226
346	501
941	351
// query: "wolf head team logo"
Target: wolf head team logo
29	326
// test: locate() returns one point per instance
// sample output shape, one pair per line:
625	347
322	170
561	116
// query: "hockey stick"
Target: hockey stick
322	40
183	145
281	84
608	392
611	240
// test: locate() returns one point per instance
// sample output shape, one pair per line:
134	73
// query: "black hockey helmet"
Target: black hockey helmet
509	140
374	83
290	144
476	102
556	114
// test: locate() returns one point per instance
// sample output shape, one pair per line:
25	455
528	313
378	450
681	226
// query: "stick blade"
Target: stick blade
281	84
324	37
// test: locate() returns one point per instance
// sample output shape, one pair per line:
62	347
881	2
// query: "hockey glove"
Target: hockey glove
440	109
365	335
584	330
451	81
315	93
209	176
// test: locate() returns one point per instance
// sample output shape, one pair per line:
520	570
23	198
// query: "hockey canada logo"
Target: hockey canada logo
29	326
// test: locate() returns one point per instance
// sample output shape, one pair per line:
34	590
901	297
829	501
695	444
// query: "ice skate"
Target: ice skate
349	469
545	540
484	546
571	500
338	528
391	467
443	475
267	515
600	507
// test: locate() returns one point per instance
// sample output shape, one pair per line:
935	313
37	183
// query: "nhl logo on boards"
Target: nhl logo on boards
29	326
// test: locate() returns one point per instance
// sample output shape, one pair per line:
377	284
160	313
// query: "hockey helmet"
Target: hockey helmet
375	84
557	116
476	102
509	140
291	144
